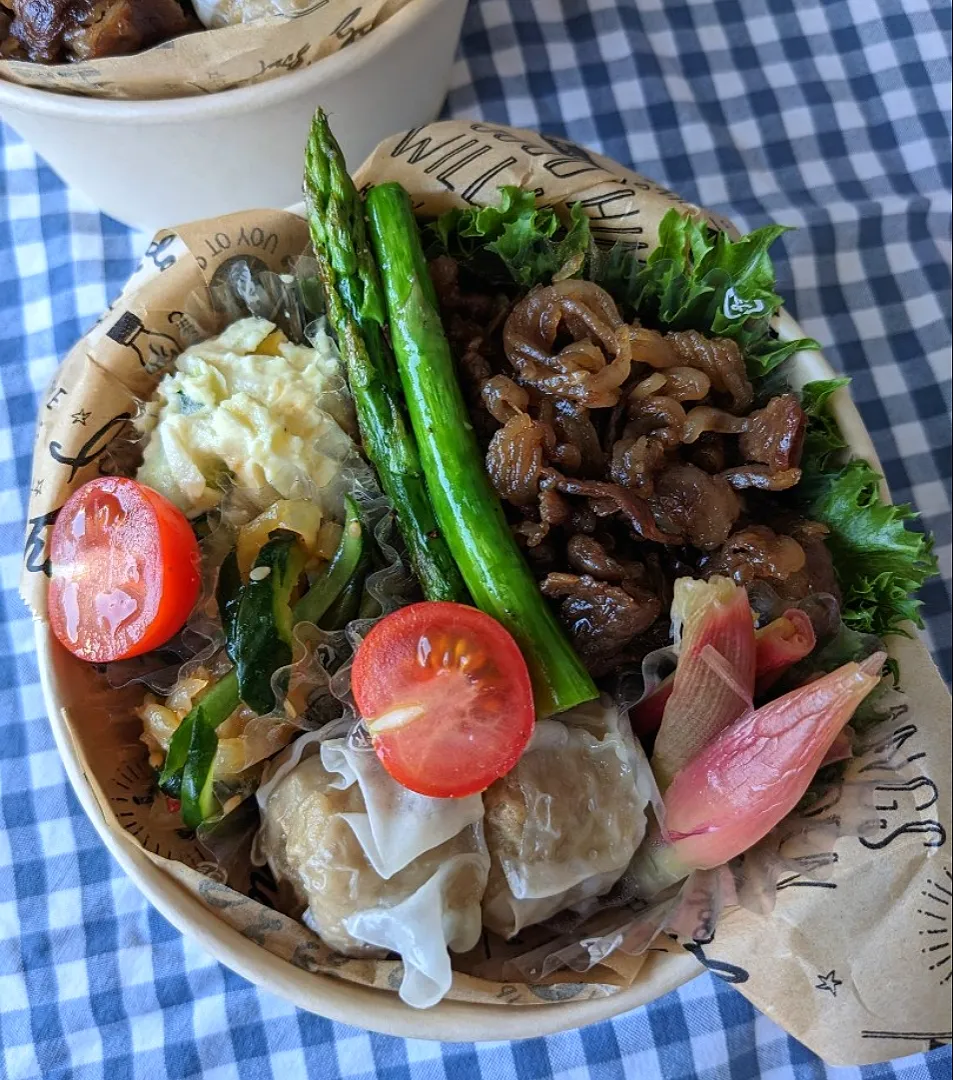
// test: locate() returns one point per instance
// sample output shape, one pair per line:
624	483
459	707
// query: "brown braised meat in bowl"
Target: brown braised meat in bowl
57	31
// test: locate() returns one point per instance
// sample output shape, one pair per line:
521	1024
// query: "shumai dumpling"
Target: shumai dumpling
562	826
380	868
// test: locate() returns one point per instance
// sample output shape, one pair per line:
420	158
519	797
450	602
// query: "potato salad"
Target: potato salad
252	410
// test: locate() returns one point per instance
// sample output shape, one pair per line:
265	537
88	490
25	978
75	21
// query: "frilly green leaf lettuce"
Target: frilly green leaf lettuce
700	279
696	279
823	442
880	562
516	241
765	355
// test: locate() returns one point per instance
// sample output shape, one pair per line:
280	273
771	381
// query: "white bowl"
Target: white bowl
343	1001
152	163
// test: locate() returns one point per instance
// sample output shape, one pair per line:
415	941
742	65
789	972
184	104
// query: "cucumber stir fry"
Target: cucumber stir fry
258	618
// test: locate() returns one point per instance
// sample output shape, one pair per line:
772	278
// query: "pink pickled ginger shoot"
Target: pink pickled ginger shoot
779	645
714	678
646	716
755	771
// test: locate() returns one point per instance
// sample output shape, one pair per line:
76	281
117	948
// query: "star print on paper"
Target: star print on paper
829	982
80	417
38	488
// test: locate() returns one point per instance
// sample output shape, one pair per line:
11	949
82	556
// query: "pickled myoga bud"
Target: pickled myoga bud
755	772
714	680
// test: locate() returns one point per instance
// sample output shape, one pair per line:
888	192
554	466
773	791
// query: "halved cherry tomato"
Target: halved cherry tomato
446	696
125	570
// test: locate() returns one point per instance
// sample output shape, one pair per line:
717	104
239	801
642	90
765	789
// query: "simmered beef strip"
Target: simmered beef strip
626	457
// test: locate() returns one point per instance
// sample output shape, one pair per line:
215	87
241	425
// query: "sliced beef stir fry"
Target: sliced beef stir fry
627	457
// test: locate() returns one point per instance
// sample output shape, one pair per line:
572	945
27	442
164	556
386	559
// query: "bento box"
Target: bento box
828	951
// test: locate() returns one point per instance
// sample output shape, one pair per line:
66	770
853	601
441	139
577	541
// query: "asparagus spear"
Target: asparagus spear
355	309
466	505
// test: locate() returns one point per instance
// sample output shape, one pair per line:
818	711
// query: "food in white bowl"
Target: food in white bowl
77	30
593	523
65	30
215	13
231	103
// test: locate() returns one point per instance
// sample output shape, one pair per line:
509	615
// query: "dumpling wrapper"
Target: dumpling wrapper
396	825
424	907
563	825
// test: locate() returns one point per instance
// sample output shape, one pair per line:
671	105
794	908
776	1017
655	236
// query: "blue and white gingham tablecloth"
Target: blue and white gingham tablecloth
831	115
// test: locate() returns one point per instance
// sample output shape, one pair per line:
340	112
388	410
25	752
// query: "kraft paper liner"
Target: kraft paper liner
855	964
208	61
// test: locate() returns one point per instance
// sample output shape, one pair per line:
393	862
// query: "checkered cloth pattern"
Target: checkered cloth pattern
829	115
